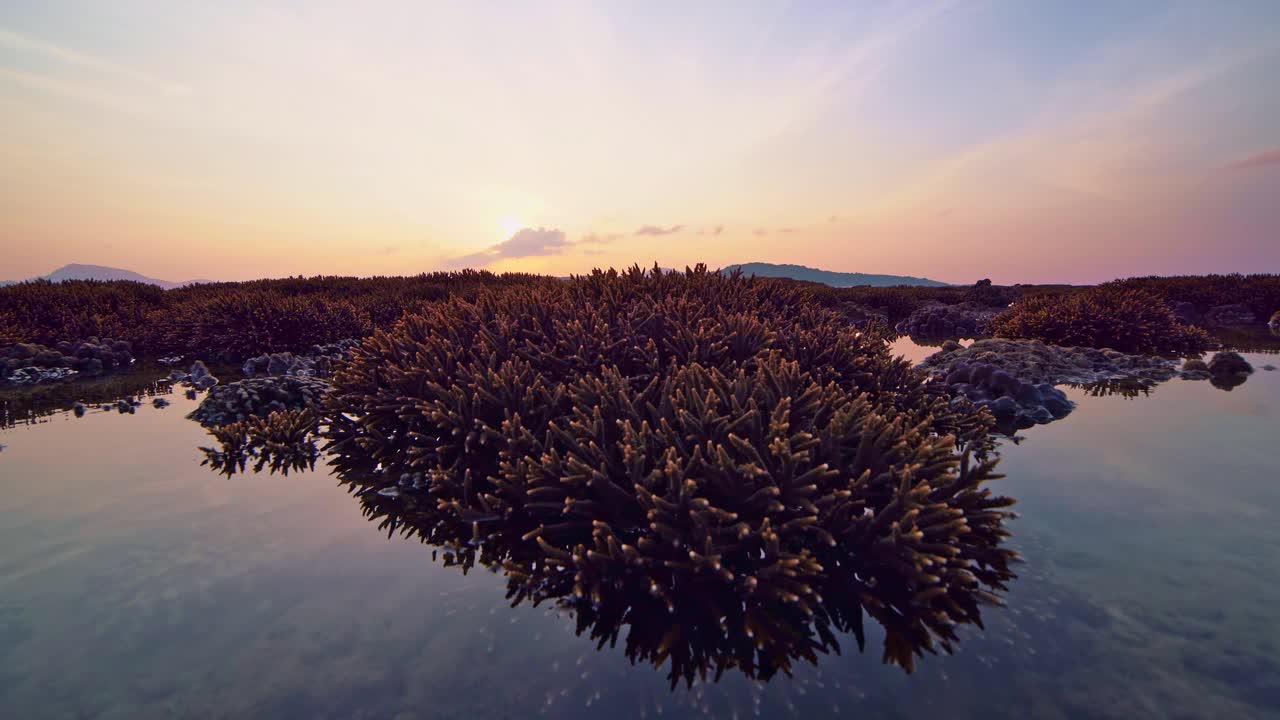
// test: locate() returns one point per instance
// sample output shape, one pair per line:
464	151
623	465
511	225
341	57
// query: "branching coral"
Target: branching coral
281	441
715	463
1122	319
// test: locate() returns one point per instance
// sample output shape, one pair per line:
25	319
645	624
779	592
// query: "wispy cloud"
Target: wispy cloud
1266	158
659	230
67	56
598	238
525	243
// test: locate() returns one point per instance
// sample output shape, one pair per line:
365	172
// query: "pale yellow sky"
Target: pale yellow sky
951	140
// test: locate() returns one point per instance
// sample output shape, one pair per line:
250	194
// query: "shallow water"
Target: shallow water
135	583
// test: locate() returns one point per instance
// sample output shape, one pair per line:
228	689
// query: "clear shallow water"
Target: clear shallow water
135	583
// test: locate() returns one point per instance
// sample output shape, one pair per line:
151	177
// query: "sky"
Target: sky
1019	141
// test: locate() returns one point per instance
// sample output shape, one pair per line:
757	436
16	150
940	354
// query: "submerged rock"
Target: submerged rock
1229	363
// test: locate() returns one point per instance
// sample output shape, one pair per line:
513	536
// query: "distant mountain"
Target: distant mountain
828	277
76	271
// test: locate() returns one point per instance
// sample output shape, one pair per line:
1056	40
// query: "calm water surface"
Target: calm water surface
136	584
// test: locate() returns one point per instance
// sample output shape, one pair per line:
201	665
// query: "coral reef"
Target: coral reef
30	363
1107	316
1202	297
227	321
258	397
716	465
965	320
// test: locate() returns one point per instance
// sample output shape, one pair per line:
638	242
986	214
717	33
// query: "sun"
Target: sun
510	226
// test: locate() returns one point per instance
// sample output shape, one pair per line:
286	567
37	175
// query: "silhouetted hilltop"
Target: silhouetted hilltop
828	277
77	271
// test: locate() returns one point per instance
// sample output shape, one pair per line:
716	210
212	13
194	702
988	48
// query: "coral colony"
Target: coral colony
720	466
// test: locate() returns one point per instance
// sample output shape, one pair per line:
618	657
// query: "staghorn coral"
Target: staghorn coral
715	464
281	441
1127	320
1229	297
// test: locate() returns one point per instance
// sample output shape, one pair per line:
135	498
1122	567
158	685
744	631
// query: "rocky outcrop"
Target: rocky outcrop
29	363
258	397
948	321
1229	363
1274	324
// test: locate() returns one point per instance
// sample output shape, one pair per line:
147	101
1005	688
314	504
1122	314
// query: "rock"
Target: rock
1274	323
1229	363
160	402
124	407
1195	369
78	409
1235	314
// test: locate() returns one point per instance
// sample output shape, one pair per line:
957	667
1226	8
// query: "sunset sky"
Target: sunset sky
1022	141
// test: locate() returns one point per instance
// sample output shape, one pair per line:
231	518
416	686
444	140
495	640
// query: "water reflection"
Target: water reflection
686	610
29	404
134	584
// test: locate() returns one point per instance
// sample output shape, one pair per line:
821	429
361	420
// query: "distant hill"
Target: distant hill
76	271
828	277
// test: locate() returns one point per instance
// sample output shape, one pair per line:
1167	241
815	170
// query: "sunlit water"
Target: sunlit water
136	584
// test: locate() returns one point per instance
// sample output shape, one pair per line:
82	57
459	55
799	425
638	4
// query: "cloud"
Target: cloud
597	239
787	230
1266	158
761	231
67	56
659	230
527	242
833	218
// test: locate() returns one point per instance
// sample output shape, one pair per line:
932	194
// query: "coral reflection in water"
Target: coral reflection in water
701	625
